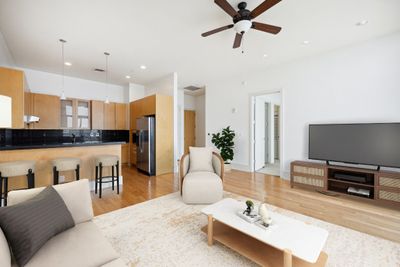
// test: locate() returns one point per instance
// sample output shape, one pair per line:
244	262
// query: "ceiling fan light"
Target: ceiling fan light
242	26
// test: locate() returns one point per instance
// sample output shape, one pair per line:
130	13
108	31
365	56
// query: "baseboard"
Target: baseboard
106	185
240	167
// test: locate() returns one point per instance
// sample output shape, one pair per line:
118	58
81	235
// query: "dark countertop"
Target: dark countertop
77	144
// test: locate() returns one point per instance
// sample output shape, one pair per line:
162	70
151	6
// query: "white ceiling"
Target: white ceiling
165	35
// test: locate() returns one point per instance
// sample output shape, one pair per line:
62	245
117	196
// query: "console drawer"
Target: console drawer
309	170
389	196
308	181
389	182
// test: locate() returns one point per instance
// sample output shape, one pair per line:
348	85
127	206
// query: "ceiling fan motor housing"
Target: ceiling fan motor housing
242	21
242	26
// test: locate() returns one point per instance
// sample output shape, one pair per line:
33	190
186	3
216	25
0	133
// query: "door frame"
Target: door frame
252	97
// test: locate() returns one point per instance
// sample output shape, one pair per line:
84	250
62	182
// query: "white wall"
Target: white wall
6	59
136	91
190	102
359	83
162	86
50	83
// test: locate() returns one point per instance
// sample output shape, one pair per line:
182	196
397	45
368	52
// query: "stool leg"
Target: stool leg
101	179
96	178
1	191
77	172
112	176
117	177
5	190
55	176
31	179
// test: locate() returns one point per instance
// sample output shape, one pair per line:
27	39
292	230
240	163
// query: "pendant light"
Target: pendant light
62	41
107	55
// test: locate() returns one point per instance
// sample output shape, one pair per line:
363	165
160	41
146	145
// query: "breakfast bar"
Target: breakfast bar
44	146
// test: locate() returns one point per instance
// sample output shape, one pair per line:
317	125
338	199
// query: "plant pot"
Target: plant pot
227	167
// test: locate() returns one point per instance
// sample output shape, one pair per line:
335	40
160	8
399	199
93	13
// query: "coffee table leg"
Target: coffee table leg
210	230
287	258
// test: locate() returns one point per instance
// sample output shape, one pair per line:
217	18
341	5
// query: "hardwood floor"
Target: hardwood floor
363	217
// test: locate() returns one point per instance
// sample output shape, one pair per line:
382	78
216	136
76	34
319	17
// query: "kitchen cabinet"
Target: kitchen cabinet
12	85
97	113
121	116
75	114
161	107
124	154
109	116
48	109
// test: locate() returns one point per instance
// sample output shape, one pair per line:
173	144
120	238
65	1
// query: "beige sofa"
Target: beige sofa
83	245
201	187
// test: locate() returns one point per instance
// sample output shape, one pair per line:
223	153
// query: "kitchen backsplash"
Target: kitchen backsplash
17	137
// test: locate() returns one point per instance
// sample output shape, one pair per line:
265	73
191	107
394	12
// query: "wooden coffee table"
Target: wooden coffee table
288	242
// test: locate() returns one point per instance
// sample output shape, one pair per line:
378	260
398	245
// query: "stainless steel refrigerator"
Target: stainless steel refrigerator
145	144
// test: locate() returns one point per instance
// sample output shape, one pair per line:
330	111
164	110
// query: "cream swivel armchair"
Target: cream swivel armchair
201	175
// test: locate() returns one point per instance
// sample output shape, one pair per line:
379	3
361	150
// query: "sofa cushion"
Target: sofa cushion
200	159
115	263
28	225
83	245
202	188
5	256
76	196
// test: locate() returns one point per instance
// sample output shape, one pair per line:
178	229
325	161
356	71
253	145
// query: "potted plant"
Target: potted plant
224	142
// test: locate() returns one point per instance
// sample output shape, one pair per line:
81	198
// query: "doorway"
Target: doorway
266	133
190	129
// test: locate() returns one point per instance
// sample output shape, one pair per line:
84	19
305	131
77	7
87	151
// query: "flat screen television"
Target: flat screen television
375	144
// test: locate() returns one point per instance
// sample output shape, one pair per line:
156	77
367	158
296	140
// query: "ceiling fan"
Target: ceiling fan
242	19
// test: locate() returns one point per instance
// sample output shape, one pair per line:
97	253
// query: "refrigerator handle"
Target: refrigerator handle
141	141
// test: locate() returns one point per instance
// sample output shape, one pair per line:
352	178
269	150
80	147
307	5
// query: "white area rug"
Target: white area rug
166	232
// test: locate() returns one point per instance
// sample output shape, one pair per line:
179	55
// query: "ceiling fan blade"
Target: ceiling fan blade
238	40
266	27
264	6
217	30
226	7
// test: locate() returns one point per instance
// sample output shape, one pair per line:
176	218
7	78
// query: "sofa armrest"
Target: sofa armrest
218	165
5	255
76	196
183	168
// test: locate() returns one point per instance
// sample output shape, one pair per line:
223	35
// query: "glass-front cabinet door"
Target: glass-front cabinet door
75	114
83	114
67	113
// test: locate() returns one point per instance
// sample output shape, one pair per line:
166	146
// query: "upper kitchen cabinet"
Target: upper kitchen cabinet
75	114
142	107
48	109
121	116
82	114
12	85
97	114
109	116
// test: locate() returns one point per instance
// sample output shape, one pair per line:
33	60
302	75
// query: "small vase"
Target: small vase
227	167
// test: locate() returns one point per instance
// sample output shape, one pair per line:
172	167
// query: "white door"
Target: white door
259	133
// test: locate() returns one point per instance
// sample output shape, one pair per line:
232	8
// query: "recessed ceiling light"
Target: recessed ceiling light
306	42
143	67
127	76
69	64
362	23
265	55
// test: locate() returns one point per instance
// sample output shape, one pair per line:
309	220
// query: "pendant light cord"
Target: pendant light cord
107	55
62	64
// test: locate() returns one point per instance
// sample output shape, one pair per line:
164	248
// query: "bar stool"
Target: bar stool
12	169
65	164
106	161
